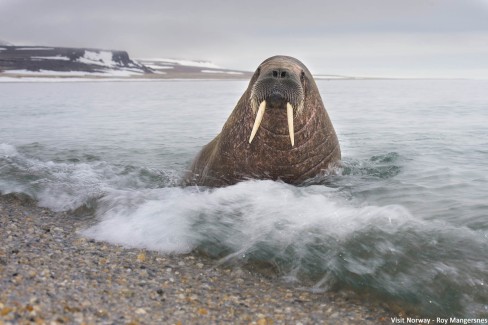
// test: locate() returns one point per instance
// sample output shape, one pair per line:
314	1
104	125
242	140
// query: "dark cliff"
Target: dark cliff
60	59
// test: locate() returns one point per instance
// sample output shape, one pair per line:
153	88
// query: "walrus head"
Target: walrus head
278	84
278	130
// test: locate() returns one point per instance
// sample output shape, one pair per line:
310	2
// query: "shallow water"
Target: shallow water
404	219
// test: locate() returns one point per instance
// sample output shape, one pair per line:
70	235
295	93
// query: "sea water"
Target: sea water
404	219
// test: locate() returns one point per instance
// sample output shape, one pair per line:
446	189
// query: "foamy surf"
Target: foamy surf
310	233
64	186
326	236
239	216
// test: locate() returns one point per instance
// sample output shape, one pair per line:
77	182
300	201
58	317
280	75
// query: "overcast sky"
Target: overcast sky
409	38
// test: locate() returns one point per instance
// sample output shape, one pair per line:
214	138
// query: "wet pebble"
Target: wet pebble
50	274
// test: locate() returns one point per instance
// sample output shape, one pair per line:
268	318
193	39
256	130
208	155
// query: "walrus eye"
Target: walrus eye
256	75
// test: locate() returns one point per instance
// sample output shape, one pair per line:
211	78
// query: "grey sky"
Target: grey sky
424	38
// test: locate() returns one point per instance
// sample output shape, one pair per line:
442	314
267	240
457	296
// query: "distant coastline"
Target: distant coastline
50	64
42	62
38	63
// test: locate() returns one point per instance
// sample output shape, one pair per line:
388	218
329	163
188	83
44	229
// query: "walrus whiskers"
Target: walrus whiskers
259	119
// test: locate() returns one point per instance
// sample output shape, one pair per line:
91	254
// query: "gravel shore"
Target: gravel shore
51	274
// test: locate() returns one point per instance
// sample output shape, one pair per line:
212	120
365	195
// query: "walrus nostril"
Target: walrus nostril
280	73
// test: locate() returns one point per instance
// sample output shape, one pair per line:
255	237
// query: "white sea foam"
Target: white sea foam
7	150
62	186
239	216
154	219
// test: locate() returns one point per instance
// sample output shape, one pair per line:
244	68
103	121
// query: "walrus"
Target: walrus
279	130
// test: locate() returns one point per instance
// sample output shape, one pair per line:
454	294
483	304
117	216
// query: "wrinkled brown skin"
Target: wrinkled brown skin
230	158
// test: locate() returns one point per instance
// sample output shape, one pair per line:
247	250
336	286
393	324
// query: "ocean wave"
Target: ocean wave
64	186
327	234
312	234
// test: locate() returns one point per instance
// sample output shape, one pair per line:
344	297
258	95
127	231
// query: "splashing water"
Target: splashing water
403	220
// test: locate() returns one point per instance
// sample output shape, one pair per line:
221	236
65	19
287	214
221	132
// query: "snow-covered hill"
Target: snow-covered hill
48	61
5	43
174	68
42	61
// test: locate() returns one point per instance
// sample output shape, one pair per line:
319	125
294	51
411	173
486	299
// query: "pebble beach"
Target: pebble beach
52	275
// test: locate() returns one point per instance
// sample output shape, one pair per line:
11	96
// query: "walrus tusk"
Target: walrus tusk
289	113
259	118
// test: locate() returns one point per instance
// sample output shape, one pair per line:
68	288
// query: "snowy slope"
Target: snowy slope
39	60
190	69
5	43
